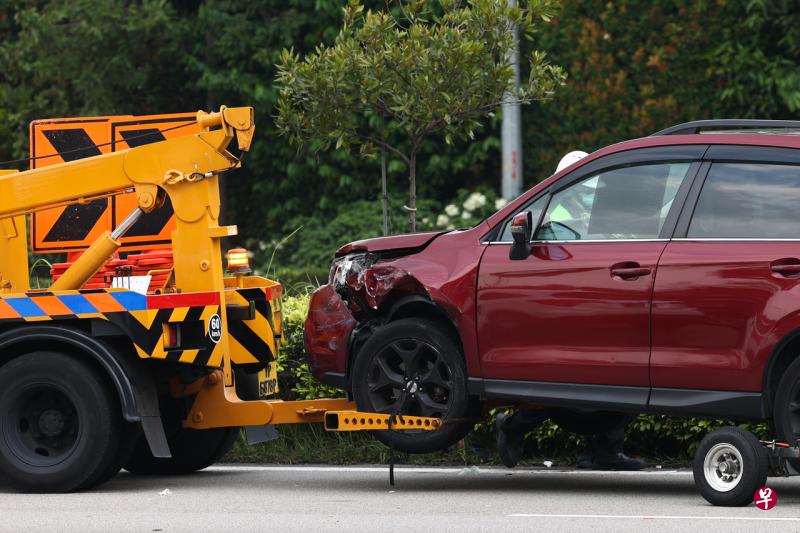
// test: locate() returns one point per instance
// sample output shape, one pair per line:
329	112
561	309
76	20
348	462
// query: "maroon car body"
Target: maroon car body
686	322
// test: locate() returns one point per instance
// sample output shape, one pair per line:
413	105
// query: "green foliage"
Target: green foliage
295	379
87	57
429	72
311	248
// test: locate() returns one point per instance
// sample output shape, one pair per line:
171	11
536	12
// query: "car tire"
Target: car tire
60	423
729	466
786	409
422	350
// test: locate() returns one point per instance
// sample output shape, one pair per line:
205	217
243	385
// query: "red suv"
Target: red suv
657	275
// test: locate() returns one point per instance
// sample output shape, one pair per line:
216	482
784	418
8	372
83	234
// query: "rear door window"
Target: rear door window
748	201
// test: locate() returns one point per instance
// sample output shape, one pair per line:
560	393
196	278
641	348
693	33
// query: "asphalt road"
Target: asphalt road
283	499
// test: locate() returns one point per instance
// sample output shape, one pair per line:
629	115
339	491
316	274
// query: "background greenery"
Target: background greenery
634	66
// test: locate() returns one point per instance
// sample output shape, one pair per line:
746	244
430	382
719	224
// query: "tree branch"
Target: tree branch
384	144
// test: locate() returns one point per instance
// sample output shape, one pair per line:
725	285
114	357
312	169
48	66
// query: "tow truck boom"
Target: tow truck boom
211	333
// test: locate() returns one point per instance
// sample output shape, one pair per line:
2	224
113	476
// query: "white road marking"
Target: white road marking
442	470
654	517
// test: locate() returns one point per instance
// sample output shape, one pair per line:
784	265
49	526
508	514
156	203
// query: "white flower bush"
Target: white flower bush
467	209
474	201
451	210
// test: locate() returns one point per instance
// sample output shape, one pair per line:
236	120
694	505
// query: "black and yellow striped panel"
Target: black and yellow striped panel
251	341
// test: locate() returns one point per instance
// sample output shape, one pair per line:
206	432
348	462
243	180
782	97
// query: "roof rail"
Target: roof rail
688	128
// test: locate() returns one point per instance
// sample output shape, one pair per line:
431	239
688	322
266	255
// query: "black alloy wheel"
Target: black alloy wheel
414	367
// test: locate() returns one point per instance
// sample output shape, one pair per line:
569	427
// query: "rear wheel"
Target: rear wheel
729	466
59	422
192	449
415	351
786	409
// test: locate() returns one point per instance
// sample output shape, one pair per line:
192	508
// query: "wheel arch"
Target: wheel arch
419	306
410	306
17	341
782	355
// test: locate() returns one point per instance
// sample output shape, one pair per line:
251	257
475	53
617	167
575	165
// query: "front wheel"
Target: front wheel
421	352
729	466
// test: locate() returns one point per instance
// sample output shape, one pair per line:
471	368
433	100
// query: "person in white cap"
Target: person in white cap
605	450
570	158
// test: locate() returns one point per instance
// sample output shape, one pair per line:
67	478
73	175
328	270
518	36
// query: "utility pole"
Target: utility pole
512	130
384	195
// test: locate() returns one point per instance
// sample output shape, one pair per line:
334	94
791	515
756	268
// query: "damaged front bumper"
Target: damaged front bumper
360	291
327	334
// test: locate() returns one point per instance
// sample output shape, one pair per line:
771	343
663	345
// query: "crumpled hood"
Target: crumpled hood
395	242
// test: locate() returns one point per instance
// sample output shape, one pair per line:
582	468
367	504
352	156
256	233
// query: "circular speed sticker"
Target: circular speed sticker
215	328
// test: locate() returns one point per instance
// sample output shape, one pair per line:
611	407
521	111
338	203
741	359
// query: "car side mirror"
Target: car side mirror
521	232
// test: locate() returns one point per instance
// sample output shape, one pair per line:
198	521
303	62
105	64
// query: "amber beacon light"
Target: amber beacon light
238	262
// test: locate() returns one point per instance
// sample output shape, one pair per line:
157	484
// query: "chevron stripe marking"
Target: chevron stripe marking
239	353
53	306
188	356
6	311
179	314
131	301
78	304
103	302
38	318
25	307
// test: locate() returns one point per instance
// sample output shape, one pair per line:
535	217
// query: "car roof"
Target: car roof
783	137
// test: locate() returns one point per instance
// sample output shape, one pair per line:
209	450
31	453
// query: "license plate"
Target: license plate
268	381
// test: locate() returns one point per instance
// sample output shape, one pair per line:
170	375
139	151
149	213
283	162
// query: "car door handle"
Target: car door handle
789	266
629	270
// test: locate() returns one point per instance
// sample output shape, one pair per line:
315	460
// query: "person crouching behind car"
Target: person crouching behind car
605	450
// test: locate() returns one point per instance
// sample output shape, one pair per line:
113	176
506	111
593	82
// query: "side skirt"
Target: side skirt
686	402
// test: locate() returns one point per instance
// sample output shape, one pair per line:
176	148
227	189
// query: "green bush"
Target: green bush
295	379
308	247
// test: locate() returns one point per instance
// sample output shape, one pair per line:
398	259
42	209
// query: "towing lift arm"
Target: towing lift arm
185	168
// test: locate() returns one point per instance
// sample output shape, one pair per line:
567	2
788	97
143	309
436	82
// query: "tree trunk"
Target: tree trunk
412	191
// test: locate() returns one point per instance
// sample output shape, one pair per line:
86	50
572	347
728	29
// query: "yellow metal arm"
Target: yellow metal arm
185	169
166	165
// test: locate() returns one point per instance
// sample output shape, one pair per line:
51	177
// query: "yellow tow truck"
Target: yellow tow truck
143	353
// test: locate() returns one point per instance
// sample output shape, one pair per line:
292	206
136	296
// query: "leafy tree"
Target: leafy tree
425	73
89	57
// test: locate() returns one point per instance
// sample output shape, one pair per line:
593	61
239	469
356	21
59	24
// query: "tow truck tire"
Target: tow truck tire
433	356
192	450
729	466
59	423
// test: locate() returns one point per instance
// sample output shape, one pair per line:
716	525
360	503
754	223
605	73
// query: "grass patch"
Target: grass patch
311	444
